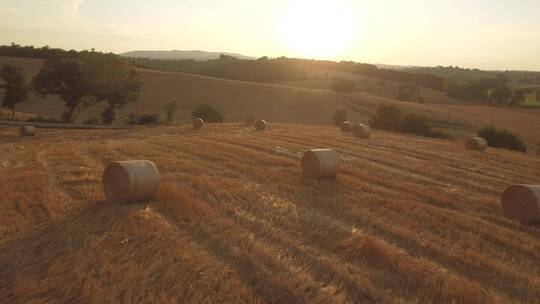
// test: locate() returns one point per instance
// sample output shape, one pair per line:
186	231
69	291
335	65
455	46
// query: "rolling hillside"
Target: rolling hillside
408	220
235	99
307	101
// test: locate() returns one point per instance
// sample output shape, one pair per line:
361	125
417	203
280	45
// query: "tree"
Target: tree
500	81
415	124
466	89
497	138
503	79
227	57
390	118
113	81
343	85
404	95
208	114
63	75
340	117
477	91
108	115
518	98
85	78
142	119
15	87
501	95
456	89
387	117
170	111
407	91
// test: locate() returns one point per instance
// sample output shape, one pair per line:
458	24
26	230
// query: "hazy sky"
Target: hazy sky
488	34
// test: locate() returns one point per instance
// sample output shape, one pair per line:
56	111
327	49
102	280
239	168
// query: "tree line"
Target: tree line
79	79
519	77
263	69
266	69
14	86
15	50
494	90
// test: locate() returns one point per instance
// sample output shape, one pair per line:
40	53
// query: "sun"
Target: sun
317	29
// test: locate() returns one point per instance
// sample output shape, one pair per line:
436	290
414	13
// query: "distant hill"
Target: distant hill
180	55
394	67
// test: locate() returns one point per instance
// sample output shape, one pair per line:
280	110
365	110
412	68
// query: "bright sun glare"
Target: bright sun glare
317	28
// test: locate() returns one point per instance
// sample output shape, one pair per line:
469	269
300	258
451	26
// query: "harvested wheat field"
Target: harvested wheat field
407	220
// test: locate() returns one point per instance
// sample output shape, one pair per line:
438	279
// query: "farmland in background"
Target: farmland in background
306	102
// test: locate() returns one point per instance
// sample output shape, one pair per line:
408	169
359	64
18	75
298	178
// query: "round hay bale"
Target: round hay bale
361	131
198	123
522	203
130	181
346	127
320	163
476	143
250	120
27	131
260	125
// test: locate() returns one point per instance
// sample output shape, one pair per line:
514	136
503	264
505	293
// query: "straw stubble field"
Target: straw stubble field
408	220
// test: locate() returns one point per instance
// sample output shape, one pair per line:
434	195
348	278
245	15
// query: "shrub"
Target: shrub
412	87
416	124
131	119
208	114
343	86
108	115
404	95
43	119
93	121
340	117
518	97
435	133
387	117
170	111
390	118
502	139
419	124
407	91
467	91
500	95
142	119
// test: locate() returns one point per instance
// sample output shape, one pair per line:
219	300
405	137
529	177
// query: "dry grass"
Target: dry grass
6	115
408	220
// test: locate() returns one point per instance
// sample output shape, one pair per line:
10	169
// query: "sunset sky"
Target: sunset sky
487	34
